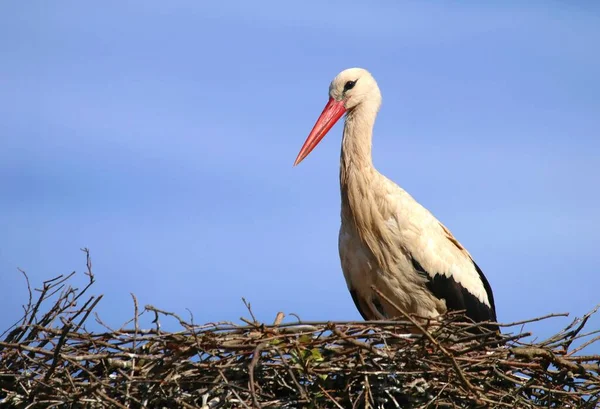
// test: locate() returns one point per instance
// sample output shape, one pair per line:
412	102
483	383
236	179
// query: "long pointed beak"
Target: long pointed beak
332	112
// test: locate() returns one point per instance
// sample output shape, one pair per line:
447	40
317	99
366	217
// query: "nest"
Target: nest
48	359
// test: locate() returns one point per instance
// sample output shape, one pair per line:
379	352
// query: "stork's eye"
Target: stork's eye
349	85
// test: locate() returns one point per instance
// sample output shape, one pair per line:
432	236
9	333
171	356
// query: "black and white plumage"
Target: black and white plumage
387	239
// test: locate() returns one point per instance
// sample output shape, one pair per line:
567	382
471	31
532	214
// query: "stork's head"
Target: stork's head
350	90
353	87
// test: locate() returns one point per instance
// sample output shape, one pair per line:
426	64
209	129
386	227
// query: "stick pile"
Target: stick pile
49	359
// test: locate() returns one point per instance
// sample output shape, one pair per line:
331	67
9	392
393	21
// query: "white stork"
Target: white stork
387	239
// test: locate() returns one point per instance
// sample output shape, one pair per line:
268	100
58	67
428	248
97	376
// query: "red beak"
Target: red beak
331	114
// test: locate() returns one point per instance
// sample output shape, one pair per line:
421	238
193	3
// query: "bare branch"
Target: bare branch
48	359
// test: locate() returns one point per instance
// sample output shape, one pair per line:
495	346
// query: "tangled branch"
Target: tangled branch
49	359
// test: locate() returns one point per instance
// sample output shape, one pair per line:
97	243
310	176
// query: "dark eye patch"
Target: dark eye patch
349	85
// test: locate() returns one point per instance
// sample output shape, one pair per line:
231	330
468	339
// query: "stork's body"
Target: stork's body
387	239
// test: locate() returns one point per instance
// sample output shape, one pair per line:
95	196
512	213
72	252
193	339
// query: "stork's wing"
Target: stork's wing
448	268
458	297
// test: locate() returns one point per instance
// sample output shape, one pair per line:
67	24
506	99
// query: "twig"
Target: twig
232	389
61	342
331	399
249	308
255	358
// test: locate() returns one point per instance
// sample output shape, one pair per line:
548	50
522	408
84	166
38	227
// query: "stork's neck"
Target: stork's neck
356	160
360	186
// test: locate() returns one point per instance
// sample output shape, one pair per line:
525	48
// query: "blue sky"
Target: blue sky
161	135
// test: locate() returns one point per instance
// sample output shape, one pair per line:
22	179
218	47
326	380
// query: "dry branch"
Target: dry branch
49	359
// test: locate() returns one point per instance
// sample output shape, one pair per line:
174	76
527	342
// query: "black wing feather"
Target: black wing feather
357	303
458	297
369	313
488	290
